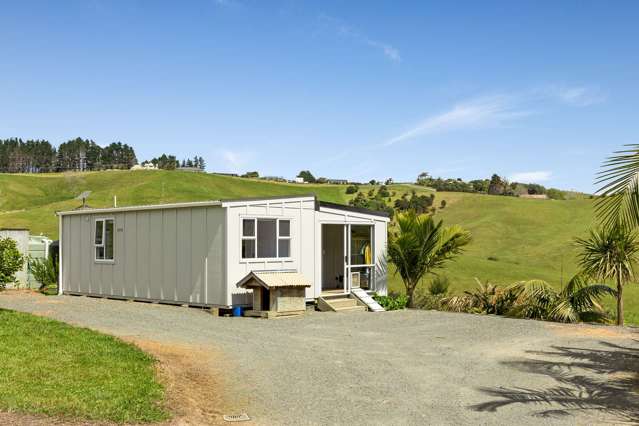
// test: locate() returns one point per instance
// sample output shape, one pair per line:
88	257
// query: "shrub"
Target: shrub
556	194
578	301
352	189
45	271
392	302
436	292
11	261
383	191
439	285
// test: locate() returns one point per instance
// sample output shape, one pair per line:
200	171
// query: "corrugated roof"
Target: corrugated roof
276	279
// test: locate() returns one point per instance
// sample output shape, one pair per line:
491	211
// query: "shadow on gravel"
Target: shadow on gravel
602	381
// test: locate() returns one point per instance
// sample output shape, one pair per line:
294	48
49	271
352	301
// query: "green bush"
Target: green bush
45	271
11	261
439	285
352	189
556	194
392	302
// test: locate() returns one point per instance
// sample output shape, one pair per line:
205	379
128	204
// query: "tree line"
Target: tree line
40	156
496	185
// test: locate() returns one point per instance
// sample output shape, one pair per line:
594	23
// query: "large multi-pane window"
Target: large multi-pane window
103	241
266	238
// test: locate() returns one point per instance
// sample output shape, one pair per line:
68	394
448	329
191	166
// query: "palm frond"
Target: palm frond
619	195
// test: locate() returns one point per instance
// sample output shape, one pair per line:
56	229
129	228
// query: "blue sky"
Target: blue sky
535	91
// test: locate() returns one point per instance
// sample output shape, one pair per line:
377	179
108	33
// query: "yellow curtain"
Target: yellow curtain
367	254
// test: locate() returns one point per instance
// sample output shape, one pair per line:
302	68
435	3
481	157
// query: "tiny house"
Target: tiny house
200	253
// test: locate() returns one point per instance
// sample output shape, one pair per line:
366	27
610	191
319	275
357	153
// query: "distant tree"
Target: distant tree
383	192
360	200
555	194
389	181
321	180
535	189
11	261
166	162
372	182
307	176
480	185
497	185
423	178
417	203
252	175
183	163
202	164
352	189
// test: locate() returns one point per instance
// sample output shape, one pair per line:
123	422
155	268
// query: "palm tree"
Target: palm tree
619	201
577	301
422	246
610	253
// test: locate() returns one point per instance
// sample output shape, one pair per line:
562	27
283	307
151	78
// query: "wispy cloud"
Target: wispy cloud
499	109
489	111
226	3
344	30
579	96
531	177
236	160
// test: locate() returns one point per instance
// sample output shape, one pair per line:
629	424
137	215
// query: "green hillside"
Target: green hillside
513	238
31	201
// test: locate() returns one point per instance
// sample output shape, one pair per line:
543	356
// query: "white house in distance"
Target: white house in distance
200	253
145	166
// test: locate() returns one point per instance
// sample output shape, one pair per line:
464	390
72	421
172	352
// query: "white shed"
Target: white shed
197	253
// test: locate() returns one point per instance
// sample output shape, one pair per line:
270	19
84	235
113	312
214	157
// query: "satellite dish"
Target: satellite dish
83	197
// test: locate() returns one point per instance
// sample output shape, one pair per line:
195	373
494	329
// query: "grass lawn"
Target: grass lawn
48	367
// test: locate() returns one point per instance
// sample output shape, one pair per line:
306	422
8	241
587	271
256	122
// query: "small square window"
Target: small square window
285	228
248	249
284	248
248	228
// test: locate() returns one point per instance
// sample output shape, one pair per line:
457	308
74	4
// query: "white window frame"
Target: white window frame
95	246
278	237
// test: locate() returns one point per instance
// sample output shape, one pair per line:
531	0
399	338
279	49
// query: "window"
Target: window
266	238
103	239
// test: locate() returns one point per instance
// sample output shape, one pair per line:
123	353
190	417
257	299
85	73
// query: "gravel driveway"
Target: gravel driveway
408	367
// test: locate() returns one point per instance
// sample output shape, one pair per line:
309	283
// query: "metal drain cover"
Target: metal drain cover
237	417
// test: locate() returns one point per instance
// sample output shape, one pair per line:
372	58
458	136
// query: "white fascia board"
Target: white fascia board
266	200
359	215
141	208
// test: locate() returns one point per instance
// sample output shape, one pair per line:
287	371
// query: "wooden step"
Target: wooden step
342	303
356	308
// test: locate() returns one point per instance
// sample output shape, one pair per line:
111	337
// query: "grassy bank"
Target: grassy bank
48	367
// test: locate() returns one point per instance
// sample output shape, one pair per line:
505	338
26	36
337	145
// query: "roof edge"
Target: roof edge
210	203
353	209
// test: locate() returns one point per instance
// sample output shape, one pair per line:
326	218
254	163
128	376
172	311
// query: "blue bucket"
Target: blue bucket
238	311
